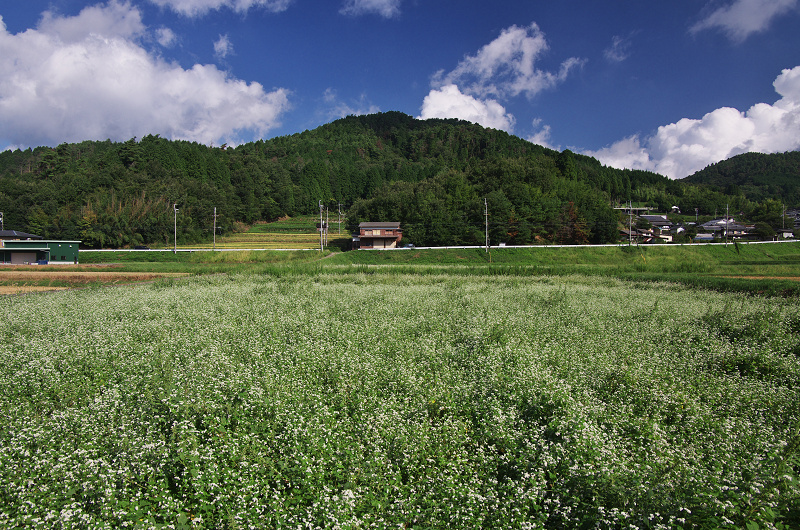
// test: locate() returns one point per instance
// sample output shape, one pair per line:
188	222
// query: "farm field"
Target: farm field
24	279
756	268
288	233
292	392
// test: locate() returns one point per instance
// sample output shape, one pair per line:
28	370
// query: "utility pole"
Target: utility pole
175	245
486	216
726	225
630	223
340	218
320	226
215	228
327	221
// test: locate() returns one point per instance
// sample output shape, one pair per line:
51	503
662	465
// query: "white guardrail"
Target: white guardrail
491	247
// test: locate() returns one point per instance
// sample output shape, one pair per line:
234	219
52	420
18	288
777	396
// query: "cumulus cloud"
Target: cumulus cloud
115	18
196	8
87	77
166	37
384	8
502	69
542	135
682	148
506	66
449	102
742	18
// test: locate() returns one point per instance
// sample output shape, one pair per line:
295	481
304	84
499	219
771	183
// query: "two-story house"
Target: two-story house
378	235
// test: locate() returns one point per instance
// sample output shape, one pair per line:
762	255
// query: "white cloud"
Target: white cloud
196	8
449	102
744	17
87	77
384	8
336	108
542	135
502	69
223	47
627	153
619	50
507	66
682	148
118	19
166	37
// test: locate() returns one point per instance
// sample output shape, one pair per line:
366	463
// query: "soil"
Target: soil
18	279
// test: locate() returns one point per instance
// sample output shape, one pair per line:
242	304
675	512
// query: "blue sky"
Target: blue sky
665	86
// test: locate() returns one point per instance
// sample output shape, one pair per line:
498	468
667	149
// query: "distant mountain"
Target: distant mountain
438	177
757	176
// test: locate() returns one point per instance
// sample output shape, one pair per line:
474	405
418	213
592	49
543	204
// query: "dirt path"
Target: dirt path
84	276
26	279
790	278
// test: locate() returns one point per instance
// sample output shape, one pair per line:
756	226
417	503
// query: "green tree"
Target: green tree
764	231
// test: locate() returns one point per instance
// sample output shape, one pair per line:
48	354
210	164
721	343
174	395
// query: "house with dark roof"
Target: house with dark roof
13	234
726	227
658	221
378	235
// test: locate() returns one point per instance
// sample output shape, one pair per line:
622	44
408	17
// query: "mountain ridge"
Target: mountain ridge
437	176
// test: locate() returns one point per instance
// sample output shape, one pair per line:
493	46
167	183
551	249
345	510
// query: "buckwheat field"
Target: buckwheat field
361	400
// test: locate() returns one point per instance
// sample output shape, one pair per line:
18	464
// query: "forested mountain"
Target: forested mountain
437	177
756	176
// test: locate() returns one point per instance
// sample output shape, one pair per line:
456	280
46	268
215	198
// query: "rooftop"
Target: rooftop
369	225
13	234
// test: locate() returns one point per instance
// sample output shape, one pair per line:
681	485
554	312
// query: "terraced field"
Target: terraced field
290	233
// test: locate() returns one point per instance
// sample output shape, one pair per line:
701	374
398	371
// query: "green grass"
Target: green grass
292	225
289	233
771	268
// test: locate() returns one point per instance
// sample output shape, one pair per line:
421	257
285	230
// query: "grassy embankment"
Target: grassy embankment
757	268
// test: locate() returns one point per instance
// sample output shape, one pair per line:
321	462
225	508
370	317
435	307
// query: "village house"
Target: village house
661	227
378	235
726	227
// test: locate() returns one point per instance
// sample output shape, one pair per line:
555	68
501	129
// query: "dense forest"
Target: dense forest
437	177
755	175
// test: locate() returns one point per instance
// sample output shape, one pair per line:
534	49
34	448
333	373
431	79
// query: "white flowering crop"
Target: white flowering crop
370	400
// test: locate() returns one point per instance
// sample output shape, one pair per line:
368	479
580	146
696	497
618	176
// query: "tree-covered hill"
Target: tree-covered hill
437	177
755	175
